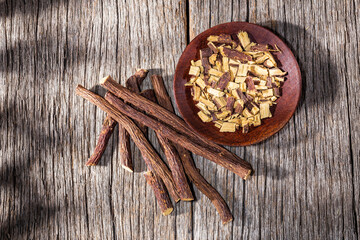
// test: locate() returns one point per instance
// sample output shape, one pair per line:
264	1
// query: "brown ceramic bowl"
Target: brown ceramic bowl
286	104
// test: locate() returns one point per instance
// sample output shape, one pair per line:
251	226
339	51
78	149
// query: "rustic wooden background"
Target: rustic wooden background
307	177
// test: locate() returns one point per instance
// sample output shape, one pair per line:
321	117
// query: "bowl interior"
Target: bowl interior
286	104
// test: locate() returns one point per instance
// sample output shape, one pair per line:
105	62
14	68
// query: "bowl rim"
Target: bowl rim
260	139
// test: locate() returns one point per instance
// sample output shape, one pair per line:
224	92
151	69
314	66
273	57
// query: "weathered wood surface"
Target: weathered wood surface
307	177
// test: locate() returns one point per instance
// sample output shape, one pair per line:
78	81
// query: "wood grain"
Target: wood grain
307	172
308	177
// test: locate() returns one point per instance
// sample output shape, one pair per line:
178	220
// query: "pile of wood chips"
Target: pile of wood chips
235	83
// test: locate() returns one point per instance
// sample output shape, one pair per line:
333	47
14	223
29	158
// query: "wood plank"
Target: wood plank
49	47
305	177
352	46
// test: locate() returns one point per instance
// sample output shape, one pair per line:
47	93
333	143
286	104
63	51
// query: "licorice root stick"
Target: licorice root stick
172	124
188	162
149	154
173	159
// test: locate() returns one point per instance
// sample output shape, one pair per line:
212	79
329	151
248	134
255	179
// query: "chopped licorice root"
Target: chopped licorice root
235	82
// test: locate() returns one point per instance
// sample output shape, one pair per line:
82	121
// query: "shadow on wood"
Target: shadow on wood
320	73
24	177
326	83
23	7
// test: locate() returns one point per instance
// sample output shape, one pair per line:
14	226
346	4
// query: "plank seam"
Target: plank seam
350	137
187	23
351	149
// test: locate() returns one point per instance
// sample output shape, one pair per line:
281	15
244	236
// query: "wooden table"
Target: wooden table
307	177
